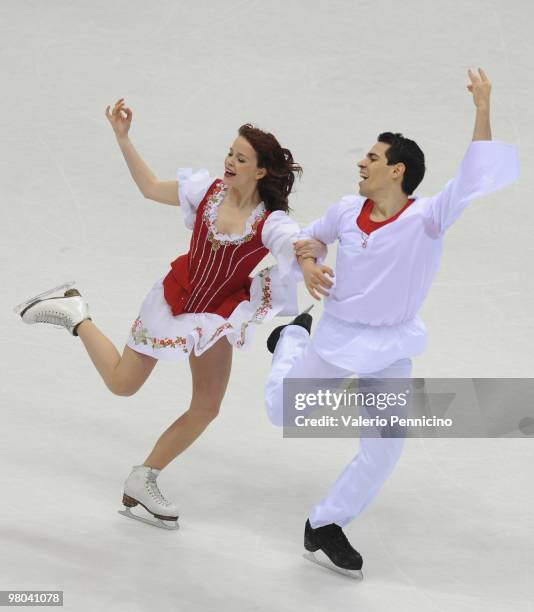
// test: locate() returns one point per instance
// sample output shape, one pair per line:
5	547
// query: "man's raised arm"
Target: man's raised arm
480	87
486	167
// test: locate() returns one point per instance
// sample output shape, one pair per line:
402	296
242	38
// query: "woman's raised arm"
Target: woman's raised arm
165	192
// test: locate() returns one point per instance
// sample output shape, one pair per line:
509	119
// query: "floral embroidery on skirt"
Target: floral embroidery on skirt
140	336
198	338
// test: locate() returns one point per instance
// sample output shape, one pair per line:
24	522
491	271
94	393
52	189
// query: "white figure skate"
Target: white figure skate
66	311
141	488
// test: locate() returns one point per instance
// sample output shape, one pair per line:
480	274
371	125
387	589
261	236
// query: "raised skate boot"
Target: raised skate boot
328	546
141	489
66	311
303	319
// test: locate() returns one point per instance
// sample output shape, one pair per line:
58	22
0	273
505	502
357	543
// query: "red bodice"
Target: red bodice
214	276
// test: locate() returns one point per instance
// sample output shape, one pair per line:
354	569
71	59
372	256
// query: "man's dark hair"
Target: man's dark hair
405	151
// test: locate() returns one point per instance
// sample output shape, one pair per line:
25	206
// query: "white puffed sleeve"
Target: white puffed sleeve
487	166
278	235
192	187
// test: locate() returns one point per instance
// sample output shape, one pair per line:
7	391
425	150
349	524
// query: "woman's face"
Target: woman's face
240	165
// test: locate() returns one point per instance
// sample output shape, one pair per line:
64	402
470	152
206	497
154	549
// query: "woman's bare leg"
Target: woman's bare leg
210	372
123	375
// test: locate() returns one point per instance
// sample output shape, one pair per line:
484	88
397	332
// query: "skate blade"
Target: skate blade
321	559
169	525
20	307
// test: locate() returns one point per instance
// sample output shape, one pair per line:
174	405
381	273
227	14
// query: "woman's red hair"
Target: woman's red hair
275	187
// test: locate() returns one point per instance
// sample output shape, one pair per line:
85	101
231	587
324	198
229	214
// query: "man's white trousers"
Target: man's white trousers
363	477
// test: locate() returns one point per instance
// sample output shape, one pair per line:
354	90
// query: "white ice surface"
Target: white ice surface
453	528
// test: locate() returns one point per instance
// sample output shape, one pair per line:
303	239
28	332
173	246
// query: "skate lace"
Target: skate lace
154	491
338	537
54	317
341	538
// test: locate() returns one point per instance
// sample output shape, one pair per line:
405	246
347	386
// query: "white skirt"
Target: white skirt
160	334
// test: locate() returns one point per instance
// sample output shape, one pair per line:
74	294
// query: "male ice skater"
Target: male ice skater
389	249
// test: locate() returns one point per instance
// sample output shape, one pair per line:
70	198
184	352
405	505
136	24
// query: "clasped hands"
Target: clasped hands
315	275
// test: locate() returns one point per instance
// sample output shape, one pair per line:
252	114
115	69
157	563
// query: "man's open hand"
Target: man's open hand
316	278
480	87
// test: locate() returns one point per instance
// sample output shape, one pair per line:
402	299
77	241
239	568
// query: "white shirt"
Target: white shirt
370	317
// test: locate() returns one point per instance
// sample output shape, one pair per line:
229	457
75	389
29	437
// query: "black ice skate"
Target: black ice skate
328	546
303	319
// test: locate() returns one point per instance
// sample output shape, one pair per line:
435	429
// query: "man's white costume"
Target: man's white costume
370	324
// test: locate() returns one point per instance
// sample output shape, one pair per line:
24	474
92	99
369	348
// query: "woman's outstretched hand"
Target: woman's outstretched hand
120	118
310	248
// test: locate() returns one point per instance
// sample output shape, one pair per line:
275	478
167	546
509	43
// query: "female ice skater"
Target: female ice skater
206	303
389	250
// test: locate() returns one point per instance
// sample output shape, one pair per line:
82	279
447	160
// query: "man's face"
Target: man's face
377	177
